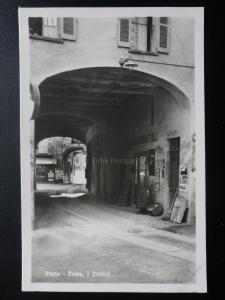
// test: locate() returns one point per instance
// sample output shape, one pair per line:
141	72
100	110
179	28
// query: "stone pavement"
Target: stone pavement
129	211
83	235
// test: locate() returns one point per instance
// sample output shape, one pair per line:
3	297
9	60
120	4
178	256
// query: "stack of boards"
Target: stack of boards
179	208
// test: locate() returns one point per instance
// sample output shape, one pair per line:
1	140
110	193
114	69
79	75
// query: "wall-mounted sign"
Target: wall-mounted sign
183	171
183	184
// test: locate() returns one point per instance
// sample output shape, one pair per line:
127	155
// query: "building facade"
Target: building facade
125	88
53	166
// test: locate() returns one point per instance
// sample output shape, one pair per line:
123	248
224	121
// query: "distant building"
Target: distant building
49	161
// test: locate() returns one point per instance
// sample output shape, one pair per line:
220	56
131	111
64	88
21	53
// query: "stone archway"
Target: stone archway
82	102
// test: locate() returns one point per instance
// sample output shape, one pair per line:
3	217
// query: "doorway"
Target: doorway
174	162
145	171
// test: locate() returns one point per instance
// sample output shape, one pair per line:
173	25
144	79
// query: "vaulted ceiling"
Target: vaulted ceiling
72	101
94	88
59	125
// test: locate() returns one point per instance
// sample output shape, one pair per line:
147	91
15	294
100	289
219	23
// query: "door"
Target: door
141	168
151	176
174	160
145	172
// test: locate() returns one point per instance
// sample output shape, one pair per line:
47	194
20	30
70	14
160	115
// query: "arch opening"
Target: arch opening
121	116
60	161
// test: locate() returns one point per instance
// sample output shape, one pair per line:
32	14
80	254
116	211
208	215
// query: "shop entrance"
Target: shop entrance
145	172
174	161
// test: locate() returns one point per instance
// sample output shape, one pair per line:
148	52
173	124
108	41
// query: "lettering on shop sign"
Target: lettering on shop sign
157	180
145	139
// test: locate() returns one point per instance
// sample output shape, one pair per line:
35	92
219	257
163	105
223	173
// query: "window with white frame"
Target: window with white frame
54	28
144	34
141	34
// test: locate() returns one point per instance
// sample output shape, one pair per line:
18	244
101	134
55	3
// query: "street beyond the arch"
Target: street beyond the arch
79	238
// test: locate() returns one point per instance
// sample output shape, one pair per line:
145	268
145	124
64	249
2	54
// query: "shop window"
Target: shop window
140	167
53	28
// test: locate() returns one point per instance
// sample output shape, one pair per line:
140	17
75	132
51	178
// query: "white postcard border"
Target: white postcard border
198	14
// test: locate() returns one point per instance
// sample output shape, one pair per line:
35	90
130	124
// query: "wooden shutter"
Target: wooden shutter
68	29
163	41
124	32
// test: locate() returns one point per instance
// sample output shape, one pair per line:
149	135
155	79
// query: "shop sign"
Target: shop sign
183	184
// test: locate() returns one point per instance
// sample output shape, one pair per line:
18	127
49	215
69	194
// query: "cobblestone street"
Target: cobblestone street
83	239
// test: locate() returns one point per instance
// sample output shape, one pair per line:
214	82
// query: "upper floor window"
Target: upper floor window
53	28
141	34
144	34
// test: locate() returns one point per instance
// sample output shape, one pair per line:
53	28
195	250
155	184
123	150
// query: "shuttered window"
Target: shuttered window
124	32
50	27
54	28
68	29
163	42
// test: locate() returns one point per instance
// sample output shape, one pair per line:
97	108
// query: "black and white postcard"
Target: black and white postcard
112	149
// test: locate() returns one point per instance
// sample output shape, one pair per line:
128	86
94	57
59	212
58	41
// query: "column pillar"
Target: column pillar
34	111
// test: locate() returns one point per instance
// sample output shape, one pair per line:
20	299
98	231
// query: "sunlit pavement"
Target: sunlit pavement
82	239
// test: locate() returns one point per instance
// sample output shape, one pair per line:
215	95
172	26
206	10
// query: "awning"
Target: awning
45	161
